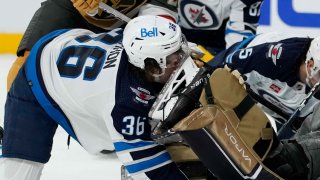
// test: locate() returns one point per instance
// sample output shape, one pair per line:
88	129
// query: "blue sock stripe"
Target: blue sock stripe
148	163
121	146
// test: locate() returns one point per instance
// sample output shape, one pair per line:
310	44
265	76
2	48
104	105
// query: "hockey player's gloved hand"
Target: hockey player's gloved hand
89	7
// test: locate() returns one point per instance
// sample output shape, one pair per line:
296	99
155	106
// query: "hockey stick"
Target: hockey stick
285	131
114	12
267	104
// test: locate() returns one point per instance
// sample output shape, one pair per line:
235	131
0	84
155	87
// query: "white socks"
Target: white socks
18	169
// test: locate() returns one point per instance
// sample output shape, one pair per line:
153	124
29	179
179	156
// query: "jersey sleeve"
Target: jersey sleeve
243	20
142	157
267	59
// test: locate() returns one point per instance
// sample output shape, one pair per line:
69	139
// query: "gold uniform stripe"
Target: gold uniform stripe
9	43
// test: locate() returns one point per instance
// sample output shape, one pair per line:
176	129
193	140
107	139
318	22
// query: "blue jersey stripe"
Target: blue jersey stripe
147	152
122	146
148	163
38	92
239	46
246	34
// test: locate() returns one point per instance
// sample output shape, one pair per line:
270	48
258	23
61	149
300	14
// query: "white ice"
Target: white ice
66	164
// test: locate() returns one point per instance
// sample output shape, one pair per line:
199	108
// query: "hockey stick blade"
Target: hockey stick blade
114	12
285	131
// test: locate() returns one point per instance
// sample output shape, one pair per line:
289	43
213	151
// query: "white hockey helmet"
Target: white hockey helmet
314	54
151	37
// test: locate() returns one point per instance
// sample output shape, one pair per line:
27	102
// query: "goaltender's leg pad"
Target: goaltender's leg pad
187	160
233	134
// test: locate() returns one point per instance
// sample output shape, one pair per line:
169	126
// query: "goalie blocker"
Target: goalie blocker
230	134
236	133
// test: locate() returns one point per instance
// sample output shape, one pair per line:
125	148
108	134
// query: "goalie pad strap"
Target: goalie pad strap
208	92
235	134
244	106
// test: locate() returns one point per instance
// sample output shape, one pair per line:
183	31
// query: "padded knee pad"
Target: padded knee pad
187	161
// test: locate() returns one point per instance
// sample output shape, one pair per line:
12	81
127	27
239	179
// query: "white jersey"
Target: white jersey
86	84
210	15
86	99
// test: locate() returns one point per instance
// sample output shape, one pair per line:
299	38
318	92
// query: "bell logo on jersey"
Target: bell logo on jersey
142	95
275	52
149	33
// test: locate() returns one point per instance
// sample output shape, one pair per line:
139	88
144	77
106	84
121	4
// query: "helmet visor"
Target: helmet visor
177	58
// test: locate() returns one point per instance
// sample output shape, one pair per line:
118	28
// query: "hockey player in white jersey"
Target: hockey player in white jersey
98	87
217	25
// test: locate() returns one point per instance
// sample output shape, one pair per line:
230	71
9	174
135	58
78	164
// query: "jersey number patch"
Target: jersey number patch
84	59
133	126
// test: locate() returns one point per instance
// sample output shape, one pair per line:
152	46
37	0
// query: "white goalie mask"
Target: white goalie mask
314	54
152	37
178	98
168	96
